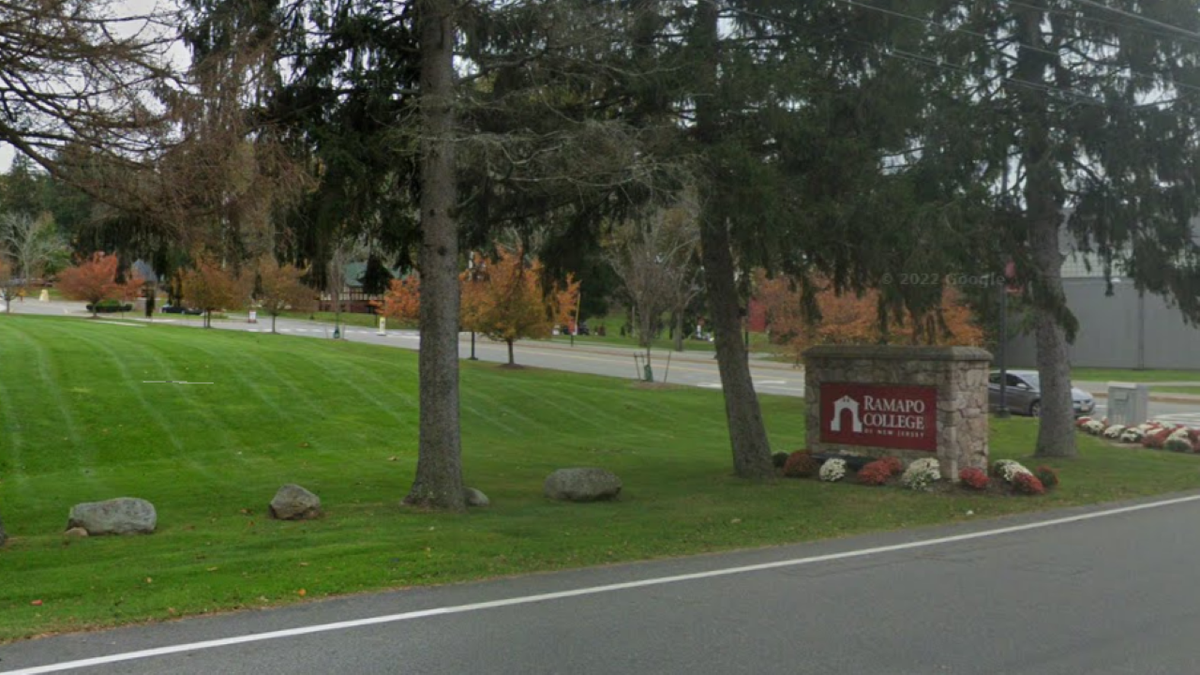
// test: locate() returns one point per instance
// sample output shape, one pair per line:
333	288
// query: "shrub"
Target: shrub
894	465
1028	484
801	464
1008	470
833	470
1178	444
109	307
779	459
1157	439
1132	436
1047	475
973	478
875	473
921	474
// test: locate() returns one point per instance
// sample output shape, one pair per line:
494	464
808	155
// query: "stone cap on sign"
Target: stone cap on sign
898	353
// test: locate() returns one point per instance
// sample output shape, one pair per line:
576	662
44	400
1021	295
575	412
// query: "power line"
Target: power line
938	63
1041	50
1138	17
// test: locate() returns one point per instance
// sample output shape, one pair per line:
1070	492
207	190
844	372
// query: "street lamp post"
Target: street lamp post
471	274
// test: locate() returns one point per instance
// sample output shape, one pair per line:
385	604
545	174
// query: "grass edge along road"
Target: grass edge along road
80	424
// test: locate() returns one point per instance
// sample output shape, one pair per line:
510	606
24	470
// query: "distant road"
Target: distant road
696	369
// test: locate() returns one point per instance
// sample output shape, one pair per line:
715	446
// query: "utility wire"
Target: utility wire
1138	17
1041	50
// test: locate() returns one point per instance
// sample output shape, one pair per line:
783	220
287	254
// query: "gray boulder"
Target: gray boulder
293	502
125	515
582	484
474	497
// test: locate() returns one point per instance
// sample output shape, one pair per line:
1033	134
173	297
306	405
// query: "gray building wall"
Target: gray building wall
1126	330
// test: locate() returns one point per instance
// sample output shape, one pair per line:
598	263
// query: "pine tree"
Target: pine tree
1091	109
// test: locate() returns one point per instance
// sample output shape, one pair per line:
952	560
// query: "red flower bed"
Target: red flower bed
974	478
1028	484
894	465
1157	439
875	473
801	464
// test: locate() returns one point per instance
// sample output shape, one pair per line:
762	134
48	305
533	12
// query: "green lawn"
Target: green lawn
1120	375
77	423
1191	391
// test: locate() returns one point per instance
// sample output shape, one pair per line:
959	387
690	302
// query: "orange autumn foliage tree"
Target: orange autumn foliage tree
402	302
95	280
210	287
503	298
281	288
855	319
566	302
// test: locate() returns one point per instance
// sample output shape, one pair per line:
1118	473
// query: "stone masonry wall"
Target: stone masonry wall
959	373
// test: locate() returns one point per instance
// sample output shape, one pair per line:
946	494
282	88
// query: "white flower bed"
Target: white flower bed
1008	469
1094	427
833	470
1179	433
1114	431
1134	435
921	474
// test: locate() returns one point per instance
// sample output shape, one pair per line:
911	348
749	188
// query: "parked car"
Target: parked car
173	309
1024	394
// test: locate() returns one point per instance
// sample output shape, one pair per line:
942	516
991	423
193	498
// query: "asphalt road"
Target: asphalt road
697	369
1113	594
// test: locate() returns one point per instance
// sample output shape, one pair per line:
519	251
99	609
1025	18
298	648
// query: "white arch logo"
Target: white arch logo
841	405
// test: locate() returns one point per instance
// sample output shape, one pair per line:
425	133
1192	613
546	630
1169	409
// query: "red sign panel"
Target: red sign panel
881	416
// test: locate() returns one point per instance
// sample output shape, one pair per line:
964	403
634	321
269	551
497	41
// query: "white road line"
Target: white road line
578	592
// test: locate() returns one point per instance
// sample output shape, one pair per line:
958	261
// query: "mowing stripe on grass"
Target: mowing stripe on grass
154	353
592	590
46	371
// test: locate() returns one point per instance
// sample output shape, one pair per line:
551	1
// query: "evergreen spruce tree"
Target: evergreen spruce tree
1091	107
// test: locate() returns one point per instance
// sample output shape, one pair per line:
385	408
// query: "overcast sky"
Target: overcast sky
131	7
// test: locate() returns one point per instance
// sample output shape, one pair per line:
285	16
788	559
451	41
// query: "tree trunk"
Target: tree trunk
438	483
511	360
678	331
1044	195
747	434
273	316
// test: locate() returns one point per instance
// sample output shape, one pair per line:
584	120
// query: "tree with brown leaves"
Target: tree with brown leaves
95	280
211	287
402	302
848	318
505	300
280	288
